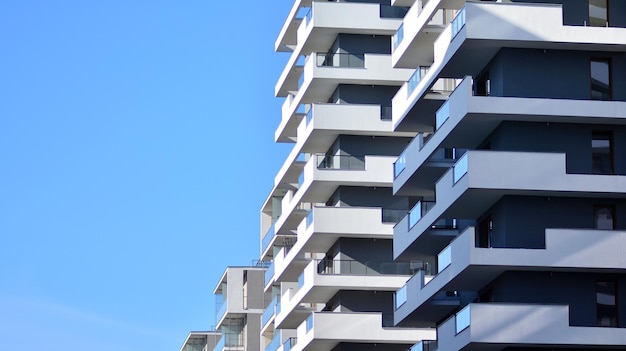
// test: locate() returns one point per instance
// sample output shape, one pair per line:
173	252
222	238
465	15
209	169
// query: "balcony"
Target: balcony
230	342
322	73
322	279
269	312
473	185
496	326
327	329
325	225
422	26
316	127
468	43
322	175
465	120
314	29
462	266
269	273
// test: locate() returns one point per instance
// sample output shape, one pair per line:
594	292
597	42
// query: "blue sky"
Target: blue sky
136	149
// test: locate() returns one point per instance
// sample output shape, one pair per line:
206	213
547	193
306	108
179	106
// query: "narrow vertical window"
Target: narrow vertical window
606	303
485	229
602	153
600	79
604	217
598	13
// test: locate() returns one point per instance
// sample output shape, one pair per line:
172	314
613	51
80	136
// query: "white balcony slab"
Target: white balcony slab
472	118
319	82
496	326
319	288
331	328
320	127
421	27
471	267
466	52
328	224
319	29
515	173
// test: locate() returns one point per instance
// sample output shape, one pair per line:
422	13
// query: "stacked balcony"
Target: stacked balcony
517	182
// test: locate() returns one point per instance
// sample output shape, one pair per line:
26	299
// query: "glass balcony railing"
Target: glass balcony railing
291	342
220	344
444	259
341	162
308	14
393	216
309	116
425	345
269	311
301	80
341	60
301	179
418	211
400	297
415	79
301	280
442	114
386	113
267	238
269	273
460	168
398	37
229	340
458	22
309	323
354	267
387	11
222	311
275	343
309	219
399	165
462	319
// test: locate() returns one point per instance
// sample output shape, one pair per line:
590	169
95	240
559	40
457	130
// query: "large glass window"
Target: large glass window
606	303
602	153
598	13
600	79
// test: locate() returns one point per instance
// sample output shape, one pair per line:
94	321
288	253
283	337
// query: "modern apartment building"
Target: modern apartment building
518	173
240	302
327	224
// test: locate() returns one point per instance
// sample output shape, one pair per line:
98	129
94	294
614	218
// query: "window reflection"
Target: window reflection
602	153
604	217
606	303
600	79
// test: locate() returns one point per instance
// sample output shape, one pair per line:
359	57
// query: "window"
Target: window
602	153
598	13
483	85
600	78
604	217
606	303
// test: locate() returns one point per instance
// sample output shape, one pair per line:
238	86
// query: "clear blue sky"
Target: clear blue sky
136	149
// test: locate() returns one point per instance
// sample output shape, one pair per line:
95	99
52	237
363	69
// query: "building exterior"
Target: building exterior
327	224
518	171
239	304
201	341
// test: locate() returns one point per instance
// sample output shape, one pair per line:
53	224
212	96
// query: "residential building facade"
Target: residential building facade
240	302
524	215
327	224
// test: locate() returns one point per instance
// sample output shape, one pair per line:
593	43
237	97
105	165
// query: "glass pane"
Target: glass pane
606	310
601	153
598	13
600	79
